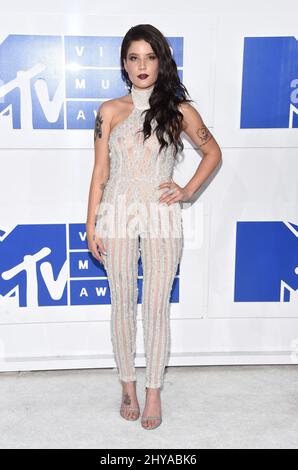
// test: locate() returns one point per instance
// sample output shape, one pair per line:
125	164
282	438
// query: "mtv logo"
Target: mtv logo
50	265
59	82
266	267
270	83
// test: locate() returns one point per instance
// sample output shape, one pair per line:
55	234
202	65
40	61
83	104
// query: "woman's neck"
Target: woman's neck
140	97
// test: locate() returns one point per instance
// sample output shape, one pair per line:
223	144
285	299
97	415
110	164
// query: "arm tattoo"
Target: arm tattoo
204	135
102	186
97	127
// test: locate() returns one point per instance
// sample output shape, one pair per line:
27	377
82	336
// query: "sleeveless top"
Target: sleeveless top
136	168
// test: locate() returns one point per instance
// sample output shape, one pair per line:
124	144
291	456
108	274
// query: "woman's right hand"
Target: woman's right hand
96	246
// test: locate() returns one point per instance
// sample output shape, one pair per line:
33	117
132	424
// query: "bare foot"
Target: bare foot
129	400
152	407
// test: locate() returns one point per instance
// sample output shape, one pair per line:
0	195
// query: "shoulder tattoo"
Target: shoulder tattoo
97	126
203	134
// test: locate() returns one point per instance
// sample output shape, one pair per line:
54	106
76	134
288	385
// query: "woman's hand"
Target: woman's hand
174	194
96	246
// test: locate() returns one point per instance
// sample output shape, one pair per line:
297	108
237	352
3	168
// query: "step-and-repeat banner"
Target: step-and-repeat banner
240	258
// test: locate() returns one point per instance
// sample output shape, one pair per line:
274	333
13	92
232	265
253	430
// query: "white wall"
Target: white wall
45	176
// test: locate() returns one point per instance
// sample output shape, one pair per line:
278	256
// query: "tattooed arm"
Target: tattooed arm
98	126
100	175
202	139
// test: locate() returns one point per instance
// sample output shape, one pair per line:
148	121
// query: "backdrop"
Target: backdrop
234	299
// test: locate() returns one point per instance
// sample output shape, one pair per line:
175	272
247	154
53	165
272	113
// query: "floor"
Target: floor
203	407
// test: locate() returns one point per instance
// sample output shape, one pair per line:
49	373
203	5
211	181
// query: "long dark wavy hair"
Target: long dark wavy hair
168	91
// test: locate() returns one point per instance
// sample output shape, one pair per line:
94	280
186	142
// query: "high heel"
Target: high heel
127	408
144	419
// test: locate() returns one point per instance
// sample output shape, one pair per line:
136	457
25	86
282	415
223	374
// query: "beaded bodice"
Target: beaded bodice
136	167
131	159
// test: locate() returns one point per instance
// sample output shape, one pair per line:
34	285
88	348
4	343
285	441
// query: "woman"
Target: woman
134	204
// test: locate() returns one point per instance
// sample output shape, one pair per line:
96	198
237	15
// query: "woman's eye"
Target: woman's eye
151	57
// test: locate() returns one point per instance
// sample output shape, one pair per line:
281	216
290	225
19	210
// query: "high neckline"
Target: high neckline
140	97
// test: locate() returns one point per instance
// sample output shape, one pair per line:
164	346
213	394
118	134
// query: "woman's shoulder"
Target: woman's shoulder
117	102
116	106
191	115
189	111
185	107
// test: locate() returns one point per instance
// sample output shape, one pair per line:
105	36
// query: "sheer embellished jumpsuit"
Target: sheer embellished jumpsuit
131	222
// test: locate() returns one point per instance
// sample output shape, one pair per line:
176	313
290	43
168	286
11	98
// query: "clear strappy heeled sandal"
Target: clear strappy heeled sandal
144	419
128	408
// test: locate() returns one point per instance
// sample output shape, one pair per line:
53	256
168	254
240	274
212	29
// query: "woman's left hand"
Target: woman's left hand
174	194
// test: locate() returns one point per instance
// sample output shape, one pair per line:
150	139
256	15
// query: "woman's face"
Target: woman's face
141	60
